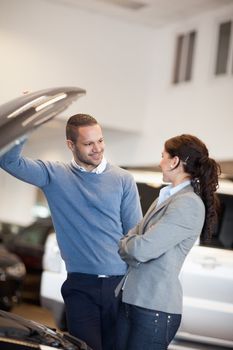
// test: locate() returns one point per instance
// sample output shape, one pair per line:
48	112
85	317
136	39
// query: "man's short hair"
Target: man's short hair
75	122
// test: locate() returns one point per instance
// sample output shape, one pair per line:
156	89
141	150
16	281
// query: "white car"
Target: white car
206	276
53	276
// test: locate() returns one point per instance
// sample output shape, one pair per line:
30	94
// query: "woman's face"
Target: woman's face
167	165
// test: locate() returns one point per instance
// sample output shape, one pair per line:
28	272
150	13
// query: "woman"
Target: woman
155	249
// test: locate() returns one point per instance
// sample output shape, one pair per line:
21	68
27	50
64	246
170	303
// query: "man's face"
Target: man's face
88	149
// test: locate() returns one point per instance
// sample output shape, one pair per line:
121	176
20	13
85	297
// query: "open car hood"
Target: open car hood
23	114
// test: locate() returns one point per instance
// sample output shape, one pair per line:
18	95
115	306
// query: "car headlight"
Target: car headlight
18	270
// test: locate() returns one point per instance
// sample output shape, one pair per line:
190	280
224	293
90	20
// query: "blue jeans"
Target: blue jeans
144	329
92	309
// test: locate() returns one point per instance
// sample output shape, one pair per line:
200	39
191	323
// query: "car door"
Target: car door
207	280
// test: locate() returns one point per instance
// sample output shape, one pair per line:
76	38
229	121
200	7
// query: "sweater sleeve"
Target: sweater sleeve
131	212
31	171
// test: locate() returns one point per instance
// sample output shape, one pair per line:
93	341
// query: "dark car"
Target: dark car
7	230
28	244
12	269
12	274
18	333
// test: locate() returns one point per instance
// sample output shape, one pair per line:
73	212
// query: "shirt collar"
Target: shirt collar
179	187
169	190
98	170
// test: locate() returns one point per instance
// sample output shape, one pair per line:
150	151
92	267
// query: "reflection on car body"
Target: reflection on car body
17	333
206	275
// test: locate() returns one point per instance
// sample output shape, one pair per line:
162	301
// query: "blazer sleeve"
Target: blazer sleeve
130	260
182	219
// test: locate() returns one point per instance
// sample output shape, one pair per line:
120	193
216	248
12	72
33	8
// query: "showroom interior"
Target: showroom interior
151	69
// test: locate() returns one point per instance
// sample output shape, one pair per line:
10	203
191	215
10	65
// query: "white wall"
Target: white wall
203	106
47	45
127	72
17	200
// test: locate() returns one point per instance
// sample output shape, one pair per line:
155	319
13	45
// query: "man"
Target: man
93	204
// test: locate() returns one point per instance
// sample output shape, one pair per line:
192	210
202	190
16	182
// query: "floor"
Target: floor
35	313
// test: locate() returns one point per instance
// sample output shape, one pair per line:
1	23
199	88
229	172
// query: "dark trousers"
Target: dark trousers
143	329
92	309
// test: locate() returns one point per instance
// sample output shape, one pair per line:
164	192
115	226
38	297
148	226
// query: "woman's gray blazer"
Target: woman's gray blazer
156	248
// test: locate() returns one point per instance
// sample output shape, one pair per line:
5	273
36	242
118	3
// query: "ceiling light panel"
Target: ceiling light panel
133	5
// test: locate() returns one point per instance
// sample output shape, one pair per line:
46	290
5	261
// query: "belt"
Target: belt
103	276
79	274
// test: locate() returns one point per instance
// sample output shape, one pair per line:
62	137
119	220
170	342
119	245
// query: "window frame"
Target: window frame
184	56
228	71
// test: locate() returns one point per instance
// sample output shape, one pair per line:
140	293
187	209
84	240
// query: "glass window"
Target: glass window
223	235
185	45
190	53
179	45
33	235
223	50
148	194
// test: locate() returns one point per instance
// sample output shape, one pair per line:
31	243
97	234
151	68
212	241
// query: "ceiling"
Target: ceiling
152	13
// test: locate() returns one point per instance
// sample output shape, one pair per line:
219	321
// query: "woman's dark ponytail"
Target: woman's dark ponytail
209	172
204	172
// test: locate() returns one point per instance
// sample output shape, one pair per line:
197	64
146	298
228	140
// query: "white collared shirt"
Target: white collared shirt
98	170
169	190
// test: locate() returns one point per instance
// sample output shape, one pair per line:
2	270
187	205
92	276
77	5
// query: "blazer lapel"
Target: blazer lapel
154	209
